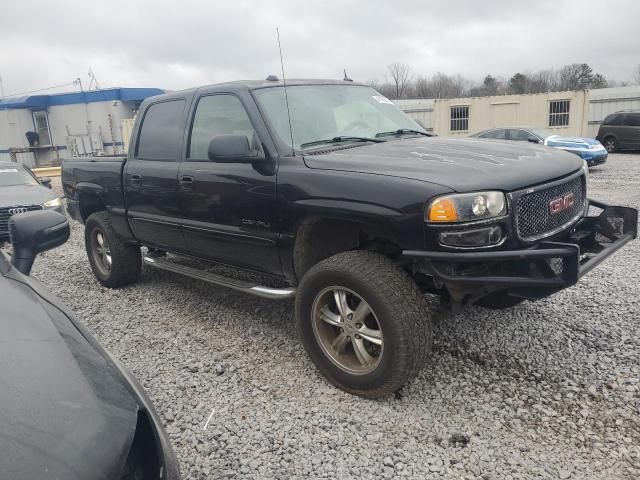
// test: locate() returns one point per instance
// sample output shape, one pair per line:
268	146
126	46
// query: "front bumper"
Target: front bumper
538	271
595	158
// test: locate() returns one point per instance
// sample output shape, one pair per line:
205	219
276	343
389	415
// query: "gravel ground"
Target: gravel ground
545	390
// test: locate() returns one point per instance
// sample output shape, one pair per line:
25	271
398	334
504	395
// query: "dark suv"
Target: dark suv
620	131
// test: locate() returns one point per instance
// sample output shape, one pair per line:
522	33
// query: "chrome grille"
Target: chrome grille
534	219
5	215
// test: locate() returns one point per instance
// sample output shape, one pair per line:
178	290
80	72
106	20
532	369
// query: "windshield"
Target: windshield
327	112
15	176
541	132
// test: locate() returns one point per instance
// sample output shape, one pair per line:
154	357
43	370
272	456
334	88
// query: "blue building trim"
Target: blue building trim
42	102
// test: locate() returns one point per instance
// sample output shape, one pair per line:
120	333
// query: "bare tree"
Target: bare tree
541	81
576	76
422	87
400	78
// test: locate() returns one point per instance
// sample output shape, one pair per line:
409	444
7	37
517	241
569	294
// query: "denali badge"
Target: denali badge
15	211
561	204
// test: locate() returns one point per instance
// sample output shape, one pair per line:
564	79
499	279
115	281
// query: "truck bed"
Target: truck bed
90	175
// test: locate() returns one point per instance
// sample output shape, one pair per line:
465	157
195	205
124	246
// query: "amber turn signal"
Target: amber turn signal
443	210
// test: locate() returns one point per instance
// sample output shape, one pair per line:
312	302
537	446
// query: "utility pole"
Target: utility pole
78	81
1	87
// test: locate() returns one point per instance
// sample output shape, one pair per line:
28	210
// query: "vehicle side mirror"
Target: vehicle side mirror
46	181
34	232
232	149
534	139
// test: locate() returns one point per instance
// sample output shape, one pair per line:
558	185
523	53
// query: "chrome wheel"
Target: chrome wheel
610	145
101	251
347	330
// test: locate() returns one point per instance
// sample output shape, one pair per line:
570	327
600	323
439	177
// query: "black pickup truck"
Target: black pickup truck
332	190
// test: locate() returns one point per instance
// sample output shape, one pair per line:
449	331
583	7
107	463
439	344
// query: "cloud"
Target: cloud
182	44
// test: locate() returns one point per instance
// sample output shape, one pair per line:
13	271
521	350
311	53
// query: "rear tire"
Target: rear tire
611	144
499	301
363	322
114	263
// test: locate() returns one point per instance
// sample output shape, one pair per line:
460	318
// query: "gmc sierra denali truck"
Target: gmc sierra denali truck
331	190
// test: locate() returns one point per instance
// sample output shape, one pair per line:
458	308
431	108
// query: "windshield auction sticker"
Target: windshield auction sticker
381	99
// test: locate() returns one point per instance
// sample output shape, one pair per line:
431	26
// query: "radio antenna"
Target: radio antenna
286	97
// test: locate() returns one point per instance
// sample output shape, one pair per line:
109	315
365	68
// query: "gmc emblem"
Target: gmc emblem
561	204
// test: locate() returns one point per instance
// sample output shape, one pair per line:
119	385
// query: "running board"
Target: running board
242	286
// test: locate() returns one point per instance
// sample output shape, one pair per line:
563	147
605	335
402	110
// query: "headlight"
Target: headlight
55	203
467	207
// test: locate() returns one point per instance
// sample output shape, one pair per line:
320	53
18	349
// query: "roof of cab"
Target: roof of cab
238	85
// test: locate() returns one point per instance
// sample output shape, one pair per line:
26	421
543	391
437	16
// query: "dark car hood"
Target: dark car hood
25	195
462	164
65	411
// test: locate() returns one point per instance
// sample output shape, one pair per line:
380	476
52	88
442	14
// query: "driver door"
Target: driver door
228	204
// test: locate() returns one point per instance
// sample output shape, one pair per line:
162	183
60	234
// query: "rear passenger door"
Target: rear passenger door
229	204
151	176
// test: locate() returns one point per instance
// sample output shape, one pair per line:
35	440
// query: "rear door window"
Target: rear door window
161	131
632	120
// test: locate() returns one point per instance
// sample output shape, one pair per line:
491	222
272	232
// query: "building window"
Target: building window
559	113
41	123
460	118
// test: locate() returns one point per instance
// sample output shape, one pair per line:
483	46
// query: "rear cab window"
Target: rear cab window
161	131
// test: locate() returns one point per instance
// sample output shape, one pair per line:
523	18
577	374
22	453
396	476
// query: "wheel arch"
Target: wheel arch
320	237
90	202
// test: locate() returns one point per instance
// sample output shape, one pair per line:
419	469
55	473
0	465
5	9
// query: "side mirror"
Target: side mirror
46	181
232	149
34	232
534	139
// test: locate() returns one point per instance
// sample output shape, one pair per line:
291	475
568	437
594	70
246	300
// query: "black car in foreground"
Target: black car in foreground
21	191
69	410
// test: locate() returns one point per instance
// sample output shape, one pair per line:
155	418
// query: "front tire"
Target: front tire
114	263
363	322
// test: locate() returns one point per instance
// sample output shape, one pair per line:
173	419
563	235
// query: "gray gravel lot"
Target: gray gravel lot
545	390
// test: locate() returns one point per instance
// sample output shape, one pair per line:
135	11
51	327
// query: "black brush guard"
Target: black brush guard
542	269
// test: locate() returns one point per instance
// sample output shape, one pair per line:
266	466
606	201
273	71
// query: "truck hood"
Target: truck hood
461	164
66	412
25	195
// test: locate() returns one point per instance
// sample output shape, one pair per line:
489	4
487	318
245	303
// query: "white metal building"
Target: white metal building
566	113
605	101
420	109
67	124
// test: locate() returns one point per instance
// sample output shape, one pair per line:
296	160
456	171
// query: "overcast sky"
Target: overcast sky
181	44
